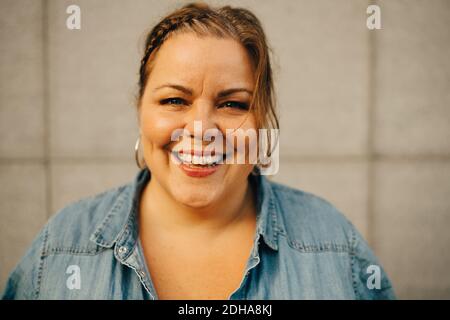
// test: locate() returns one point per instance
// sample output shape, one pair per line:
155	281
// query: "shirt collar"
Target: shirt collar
120	223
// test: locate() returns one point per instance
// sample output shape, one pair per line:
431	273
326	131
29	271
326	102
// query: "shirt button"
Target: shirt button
142	273
122	250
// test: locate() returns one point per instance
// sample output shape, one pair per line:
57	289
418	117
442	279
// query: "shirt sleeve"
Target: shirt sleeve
24	281
370	280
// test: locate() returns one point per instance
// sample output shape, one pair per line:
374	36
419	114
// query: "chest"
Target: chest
184	270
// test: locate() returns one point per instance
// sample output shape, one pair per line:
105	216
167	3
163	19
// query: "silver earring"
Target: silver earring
136	153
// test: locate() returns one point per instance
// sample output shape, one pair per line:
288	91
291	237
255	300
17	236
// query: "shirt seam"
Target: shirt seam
352	263
316	248
41	264
74	251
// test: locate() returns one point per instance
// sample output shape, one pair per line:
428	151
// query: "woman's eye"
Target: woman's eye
173	101
235	105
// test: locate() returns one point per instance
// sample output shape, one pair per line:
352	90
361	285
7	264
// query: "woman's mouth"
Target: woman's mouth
196	164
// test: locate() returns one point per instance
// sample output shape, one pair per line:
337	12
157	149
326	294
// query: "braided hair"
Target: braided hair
184	18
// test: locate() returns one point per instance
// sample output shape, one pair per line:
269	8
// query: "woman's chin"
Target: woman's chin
195	197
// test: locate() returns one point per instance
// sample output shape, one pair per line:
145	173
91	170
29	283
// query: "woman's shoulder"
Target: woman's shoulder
72	227
69	231
308	219
312	224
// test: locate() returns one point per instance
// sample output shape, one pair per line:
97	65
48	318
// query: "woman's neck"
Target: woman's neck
160	212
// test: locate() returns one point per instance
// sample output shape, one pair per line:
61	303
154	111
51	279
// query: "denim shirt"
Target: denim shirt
304	248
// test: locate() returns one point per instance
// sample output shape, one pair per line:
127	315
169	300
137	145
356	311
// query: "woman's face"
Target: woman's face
189	84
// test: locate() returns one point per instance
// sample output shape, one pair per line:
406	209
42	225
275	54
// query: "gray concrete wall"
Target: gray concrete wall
369	110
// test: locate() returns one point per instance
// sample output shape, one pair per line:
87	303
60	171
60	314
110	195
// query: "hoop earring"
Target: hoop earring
255	171
136	154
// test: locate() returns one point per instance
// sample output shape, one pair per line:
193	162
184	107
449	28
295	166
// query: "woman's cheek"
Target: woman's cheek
157	127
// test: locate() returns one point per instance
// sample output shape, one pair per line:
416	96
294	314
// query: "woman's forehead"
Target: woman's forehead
188	55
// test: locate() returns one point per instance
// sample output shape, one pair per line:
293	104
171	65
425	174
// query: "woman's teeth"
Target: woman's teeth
199	160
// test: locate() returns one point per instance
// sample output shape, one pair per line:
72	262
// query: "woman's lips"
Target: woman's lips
198	171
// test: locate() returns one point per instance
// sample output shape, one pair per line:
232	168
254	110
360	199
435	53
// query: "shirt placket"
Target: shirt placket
251	263
134	260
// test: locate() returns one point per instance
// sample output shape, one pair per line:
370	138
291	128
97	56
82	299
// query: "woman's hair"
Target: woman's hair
236	23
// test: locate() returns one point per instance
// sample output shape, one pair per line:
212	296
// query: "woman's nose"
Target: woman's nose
200	119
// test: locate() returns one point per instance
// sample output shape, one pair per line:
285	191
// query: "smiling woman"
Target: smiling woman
199	227
207	73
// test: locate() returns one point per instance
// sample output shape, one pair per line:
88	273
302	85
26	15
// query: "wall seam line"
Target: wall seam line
46	111
371	174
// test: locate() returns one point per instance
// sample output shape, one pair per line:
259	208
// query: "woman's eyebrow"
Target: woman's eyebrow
228	92
189	91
